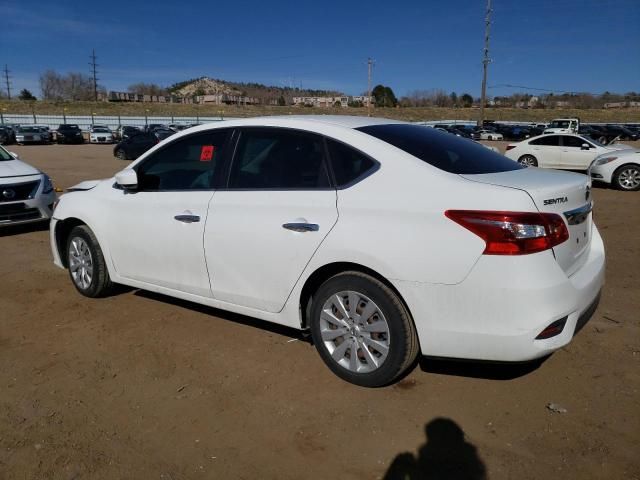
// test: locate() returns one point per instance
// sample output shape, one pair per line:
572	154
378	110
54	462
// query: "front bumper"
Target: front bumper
496	313
28	210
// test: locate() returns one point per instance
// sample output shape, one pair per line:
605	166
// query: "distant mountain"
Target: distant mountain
266	93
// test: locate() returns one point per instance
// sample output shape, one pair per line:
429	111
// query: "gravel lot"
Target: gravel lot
143	386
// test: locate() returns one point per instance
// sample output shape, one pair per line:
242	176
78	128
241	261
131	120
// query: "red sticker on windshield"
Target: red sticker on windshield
206	154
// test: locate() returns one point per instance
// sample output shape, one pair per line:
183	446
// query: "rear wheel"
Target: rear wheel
528	161
627	177
121	154
362	330
87	267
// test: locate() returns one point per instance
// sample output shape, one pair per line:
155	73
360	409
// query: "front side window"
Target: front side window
547	140
574	142
278	159
189	163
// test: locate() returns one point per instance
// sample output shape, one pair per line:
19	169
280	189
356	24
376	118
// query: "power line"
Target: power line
8	83
485	62
95	78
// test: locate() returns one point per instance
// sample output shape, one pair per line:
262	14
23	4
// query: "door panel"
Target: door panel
148	244
253	259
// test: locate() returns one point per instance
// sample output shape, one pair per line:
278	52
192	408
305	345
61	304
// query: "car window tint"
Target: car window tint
442	150
569	141
189	163
546	140
348	164
277	158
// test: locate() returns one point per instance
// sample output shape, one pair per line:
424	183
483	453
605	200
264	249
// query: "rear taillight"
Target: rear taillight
509	147
513	233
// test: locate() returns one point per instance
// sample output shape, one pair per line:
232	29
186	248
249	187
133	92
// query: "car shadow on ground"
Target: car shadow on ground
479	369
11	230
230	316
446	455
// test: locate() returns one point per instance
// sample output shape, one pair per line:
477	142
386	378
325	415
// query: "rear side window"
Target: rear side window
348	164
279	159
442	150
547	140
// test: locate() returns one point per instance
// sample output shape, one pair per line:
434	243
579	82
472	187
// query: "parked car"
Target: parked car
155	126
620	168
69	133
9	134
100	134
287	219
621	132
563	125
30	135
126	131
26	193
178	127
132	147
46	132
485	134
5	136
566	151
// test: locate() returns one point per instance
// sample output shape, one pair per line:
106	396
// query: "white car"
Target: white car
621	168
26	194
100	134
488	135
383	238
566	151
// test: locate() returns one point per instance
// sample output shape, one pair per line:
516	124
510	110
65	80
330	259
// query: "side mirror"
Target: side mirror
585	146
14	155
127	179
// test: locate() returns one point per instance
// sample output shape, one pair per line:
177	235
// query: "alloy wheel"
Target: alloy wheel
629	178
354	331
80	263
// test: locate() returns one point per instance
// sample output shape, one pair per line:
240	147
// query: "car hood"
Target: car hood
17	168
84	186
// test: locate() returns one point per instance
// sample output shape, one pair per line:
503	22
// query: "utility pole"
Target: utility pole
95	78
6	78
370	63
485	63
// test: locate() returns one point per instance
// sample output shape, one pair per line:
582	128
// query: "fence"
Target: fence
113	122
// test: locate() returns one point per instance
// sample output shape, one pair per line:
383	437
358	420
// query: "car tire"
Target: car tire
528	161
627	177
489	137
121	154
86	263
380	331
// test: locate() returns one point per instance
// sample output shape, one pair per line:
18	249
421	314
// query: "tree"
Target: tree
467	100
142	88
454	99
281	101
26	95
72	86
383	96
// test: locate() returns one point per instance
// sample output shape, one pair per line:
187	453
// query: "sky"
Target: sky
559	45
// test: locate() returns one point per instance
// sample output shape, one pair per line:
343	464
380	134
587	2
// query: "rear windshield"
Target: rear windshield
68	127
442	150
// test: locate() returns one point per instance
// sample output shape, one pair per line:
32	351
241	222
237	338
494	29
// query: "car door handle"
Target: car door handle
302	227
187	218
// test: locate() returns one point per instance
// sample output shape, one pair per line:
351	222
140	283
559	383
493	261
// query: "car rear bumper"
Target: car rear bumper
497	312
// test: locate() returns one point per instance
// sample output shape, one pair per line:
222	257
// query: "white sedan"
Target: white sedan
100	134
26	194
488	135
621	169
384	239
562	151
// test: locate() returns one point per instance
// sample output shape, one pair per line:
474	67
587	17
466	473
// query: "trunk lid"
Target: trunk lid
566	193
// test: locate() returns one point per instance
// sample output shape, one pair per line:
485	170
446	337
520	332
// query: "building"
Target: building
341	101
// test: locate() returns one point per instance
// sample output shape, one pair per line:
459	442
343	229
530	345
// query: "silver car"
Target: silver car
26	194
26	135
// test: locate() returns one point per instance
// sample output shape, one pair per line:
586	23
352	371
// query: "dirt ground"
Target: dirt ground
140	386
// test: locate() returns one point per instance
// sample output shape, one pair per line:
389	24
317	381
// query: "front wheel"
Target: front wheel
121	154
87	267
528	161
362	330
627	177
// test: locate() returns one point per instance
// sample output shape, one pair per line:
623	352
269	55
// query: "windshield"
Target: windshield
28	130
69	127
5	156
442	150
559	124
101	130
